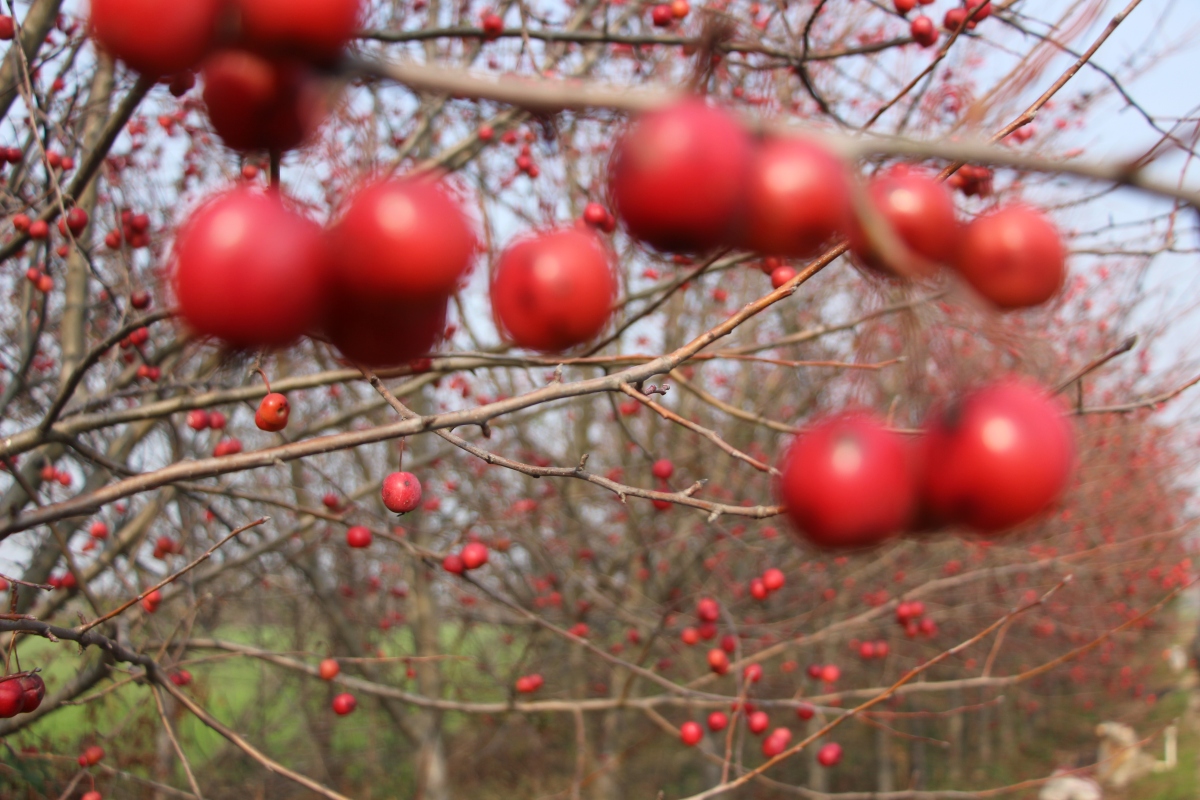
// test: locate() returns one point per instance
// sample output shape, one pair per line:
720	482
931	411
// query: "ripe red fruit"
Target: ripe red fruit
595	214
717	721
954	19
181	677
317	30
401	492
753	673
690	733
998	457
776	742
328	669
846	482
554	290
758	589
98	530
781	275
39	229
140	300
1014	257
383	333
250	271
344	703
77	220
707	609
492	25
663	469
678	175
92	755
830	673
12	698
197	419
924	32
21	222
216	420
227	447
758	722
453	564
919	211
151	601
829	754
689	636
718	661
984	6
527	684
272	414
474	555
7	28
662	15
773	579
358	536
156	37
798	198
805	711
403	241
866	650
905	6
92	795
258	104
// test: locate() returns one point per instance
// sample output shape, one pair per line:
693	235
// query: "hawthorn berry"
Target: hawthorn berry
717	721
690	733
344	704
918	211
329	669
156	37
776	742
474	555
272	413
846	482
773	579
453	564
401	492
1014	257
151	601
256	103
316	30
758	722
663	469
358	536
12	698
678	174
718	661
924	32
829	754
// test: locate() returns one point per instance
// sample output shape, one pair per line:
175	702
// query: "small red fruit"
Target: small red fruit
181	677
830	673
401	492
272	414
151	601
920	213
1014	257
781	275
92	795
453	564
12	698
805	711
35	689
358	536
98	530
924	32
92	755
690	733
492	25
663	469
776	742
661	15
846	482
717	721
554	290
258	104
798	198
773	579
758	589
678	177
39	229
758	722
905	6
718	661
998	457
689	636
140	300
344	704
474	555
156	37
197	419
315	30
829	754
708	610
595	215
329	669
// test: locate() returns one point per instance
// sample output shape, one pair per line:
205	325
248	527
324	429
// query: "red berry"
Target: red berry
846	482
954	19
453	564
829	754
717	721
689	636
554	290
151	601
92	795
919	211
12	698
216	420
662	15
718	661
905	6
197	419
181	677
1014	257
690	733
272	414
798	198
753	673
773	579
830	673
678	177
595	214
708	610
358	536
156	37
39	229
924	32
776	742
998	457
7	28
250	271
21	222
309	29
663	469
92	755
258	104
328	669
758	722
401	492
866	650
227	447
782	275
474	555
344	703
805	711
493	26
140	300
77	220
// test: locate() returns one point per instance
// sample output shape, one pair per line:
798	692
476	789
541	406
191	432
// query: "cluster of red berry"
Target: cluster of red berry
20	693
997	457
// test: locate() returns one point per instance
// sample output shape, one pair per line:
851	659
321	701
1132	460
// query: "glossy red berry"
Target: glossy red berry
798	198
830	673
718	661
151	601
98	530
140	300
358	536
758	590
663	469
474	555
453	564
805	711
1014	257
92	795
717	721
344	704
256	103
92	755
404	241
758	722
998	457
708	610
12	698
7	28
847	482
954	19
661	15
250	271
595	215
272	414
904	6
492	25
156	37
773	579
776	742
690	733
401	492
678	177
77	220
317	30
918	211
329	669
782	275
554	290
924	32
39	229
829	754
